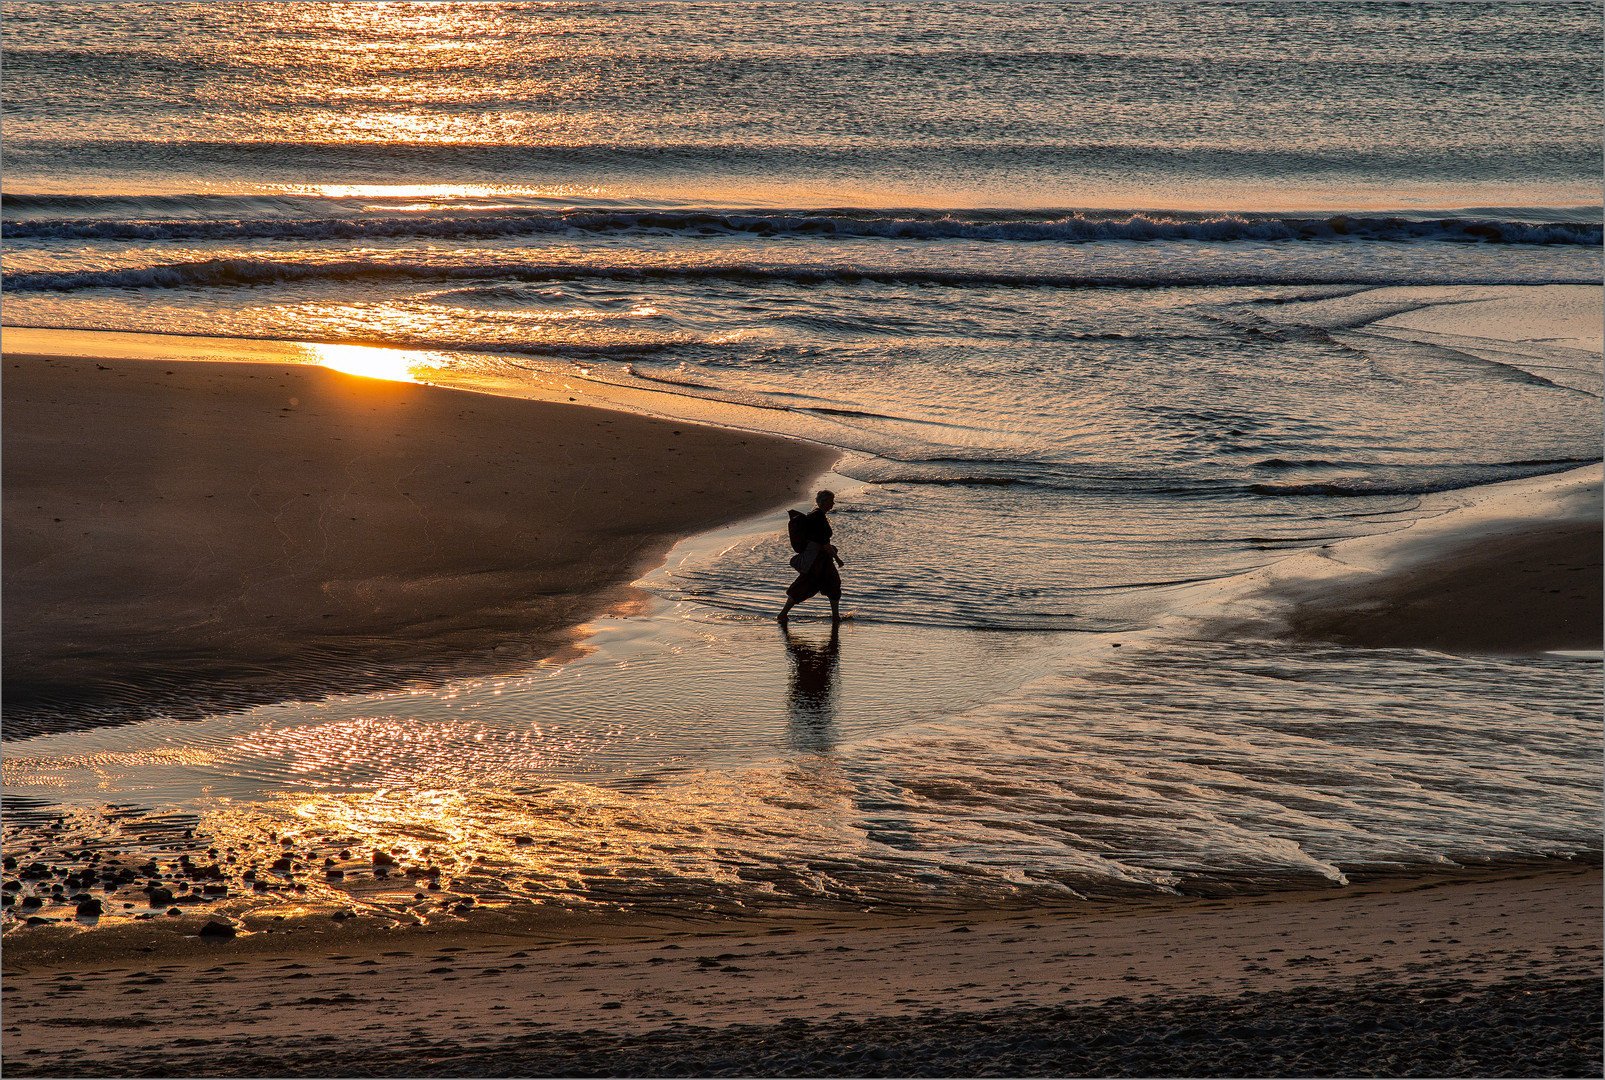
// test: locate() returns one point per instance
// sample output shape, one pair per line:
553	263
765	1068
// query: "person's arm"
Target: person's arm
822	535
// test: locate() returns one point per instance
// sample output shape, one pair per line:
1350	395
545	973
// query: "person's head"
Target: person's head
825	500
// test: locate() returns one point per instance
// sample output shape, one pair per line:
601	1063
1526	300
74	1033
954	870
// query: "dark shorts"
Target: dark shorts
823	579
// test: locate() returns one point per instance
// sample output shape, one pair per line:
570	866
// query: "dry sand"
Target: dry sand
1349	978
180	536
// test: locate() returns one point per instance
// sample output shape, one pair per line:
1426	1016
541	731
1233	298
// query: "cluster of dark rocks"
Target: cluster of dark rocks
198	876
185	882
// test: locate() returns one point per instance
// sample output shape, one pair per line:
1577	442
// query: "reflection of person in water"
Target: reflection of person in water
816	560
811	705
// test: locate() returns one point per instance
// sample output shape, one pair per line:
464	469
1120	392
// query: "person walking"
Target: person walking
816	559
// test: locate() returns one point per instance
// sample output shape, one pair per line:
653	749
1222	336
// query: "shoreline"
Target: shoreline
1509	568
750	996
292	531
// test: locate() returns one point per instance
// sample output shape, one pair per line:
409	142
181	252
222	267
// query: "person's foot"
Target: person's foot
782	618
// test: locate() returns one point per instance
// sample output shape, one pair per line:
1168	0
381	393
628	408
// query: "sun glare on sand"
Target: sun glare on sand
397	365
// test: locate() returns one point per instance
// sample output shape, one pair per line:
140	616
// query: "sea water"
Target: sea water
1086	296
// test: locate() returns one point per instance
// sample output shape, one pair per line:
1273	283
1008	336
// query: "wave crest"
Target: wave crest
245	272
1067	228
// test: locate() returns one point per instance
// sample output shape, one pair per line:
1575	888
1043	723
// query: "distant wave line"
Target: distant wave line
237	273
1390	482
1074	228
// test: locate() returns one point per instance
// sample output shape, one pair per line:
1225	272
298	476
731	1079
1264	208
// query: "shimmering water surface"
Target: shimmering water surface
1089	300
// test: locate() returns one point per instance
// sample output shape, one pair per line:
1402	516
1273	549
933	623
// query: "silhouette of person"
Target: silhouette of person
816	564
811	704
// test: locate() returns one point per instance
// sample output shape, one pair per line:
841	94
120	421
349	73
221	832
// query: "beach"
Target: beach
1396	973
1492	973
183	555
403	408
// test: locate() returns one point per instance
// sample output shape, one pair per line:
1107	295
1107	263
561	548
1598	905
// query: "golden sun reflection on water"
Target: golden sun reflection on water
437	191
397	365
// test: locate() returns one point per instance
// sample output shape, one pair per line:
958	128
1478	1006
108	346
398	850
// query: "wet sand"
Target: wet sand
1512	568
186	536
1475	973
1531	592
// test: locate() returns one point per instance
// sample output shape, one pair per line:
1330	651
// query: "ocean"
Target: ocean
1098	301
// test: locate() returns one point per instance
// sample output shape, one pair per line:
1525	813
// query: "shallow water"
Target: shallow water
1124	313
696	762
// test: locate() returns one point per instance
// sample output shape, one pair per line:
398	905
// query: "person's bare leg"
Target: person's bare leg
835	609
790	603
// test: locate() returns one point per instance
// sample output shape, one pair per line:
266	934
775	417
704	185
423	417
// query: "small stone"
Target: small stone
522	840
31	902
381	858
161	897
218	930
175	911
89	906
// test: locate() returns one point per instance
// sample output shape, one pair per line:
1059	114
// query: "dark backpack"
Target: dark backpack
794	530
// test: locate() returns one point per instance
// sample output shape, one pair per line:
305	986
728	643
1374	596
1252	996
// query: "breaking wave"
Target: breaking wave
1065	228
240	272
